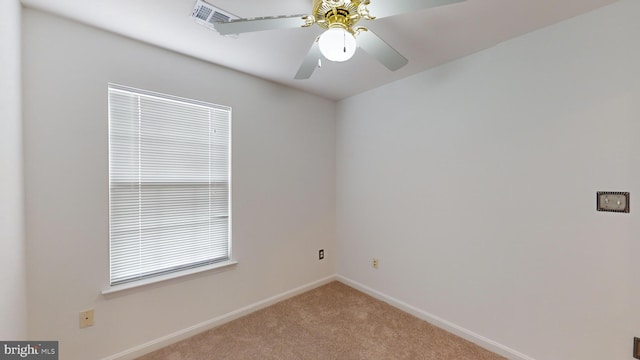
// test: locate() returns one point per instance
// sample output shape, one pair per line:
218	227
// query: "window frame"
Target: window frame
143	278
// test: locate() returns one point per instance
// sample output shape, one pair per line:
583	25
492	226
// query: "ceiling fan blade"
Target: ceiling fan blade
310	62
382	8
379	49
238	26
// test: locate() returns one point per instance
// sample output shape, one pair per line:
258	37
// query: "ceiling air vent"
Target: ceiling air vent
207	14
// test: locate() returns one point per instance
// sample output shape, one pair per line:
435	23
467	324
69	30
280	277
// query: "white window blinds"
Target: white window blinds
169	178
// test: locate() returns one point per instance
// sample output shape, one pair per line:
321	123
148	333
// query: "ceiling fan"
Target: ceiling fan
340	19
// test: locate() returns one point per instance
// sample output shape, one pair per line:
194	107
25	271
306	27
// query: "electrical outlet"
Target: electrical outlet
636	348
374	263
86	318
321	254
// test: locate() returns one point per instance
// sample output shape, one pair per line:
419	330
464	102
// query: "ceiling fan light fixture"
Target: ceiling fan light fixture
337	44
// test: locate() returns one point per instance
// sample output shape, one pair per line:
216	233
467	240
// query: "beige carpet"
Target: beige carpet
334	321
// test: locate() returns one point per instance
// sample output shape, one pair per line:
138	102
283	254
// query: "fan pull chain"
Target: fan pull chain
344	42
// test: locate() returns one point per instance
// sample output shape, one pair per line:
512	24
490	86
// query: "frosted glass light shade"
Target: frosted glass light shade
337	44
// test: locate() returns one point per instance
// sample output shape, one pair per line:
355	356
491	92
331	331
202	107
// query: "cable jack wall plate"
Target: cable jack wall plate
86	318
612	201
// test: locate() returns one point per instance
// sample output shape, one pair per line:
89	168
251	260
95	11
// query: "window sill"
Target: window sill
134	284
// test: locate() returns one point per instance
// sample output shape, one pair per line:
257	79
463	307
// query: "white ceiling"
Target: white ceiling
427	38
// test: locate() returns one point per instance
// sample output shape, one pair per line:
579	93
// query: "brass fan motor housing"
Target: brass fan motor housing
338	13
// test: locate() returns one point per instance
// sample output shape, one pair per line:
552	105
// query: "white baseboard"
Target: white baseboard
223	319
439	322
212	323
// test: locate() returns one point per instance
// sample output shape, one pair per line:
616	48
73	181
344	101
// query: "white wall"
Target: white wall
283	186
12	266
475	184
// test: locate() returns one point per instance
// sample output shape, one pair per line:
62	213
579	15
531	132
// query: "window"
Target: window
169	172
